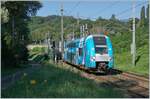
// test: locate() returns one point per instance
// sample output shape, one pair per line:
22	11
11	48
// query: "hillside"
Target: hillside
119	32
39	26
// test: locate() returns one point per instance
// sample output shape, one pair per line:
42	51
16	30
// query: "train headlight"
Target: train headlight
92	58
111	58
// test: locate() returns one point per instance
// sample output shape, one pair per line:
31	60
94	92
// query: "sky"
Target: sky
92	9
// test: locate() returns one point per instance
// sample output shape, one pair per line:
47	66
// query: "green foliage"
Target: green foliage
38	50
113	17
119	31
123	61
4	15
147	12
54	82
130	23
15	15
39	27
6	72
142	22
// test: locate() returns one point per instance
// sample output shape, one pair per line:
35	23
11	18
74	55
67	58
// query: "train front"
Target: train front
103	52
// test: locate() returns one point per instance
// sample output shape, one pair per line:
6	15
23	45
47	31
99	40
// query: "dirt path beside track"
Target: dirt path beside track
8	80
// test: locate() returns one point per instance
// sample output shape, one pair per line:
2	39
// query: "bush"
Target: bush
38	49
13	56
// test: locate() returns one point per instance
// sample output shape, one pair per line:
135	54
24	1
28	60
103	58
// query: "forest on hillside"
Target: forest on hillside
20	27
119	31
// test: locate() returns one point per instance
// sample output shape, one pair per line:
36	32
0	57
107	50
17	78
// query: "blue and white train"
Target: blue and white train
93	52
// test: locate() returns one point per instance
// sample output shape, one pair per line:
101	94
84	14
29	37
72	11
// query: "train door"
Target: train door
81	52
80	55
84	54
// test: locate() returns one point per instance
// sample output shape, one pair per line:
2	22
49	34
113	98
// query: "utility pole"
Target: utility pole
83	29
78	24
48	41
78	20
62	32
86	30
133	35
80	31
73	31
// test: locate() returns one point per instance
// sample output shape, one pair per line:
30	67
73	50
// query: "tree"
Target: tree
130	23
4	15
142	19
15	30
19	13
147	12
113	18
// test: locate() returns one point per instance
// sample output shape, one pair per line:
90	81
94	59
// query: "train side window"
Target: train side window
80	51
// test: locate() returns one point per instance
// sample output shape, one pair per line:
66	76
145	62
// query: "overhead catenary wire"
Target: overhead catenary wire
77	4
69	12
117	15
73	8
106	8
121	13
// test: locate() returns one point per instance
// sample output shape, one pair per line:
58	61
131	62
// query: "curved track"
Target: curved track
134	85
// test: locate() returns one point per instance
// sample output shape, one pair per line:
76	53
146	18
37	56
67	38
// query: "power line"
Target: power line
130	8
69	12
120	13
88	17
73	8
126	11
108	7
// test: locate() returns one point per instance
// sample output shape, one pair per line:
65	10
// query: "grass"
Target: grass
33	56
52	81
37	54
37	50
38	58
123	61
9	71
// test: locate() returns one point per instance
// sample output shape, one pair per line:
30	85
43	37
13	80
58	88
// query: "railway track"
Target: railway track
134	85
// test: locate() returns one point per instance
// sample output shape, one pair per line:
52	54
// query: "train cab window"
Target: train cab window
99	40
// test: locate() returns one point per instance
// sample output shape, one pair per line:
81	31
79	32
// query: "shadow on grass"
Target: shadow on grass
137	59
51	81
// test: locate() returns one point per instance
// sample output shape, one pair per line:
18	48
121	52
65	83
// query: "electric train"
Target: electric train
94	52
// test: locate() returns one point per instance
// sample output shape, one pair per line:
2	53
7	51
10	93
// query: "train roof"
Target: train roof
101	35
76	40
81	39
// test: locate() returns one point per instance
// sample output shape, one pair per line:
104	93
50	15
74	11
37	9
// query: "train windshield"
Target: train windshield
101	50
99	40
